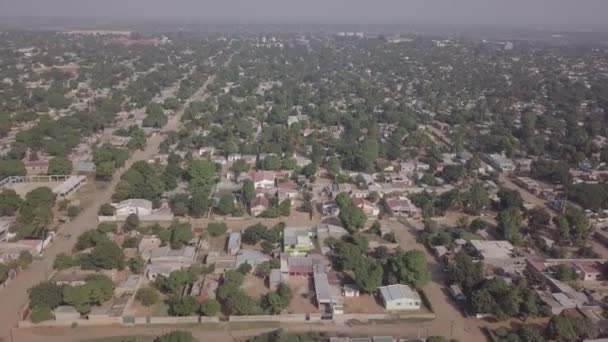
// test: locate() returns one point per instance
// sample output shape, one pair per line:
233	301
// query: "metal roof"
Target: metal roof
397	292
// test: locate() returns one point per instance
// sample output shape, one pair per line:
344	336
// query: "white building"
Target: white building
137	206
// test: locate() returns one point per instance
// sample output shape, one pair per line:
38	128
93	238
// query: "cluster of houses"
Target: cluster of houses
501	259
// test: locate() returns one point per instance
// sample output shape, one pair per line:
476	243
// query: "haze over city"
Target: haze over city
545	14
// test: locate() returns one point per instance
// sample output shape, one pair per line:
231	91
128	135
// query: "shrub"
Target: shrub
217	229
147	296
40	314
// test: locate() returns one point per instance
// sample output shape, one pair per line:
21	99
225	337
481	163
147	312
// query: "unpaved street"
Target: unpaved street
14	296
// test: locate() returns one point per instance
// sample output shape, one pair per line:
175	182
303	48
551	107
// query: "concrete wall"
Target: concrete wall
269	318
81	322
143	218
173	320
370	317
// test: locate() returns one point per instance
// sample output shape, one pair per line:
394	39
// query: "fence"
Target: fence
143	218
296	318
269	318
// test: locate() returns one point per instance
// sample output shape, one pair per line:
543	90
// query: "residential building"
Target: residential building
370	209
351	290
234	243
66	313
262	179
259	205
137	206
403	207
288	190
330	209
252	257
234	157
164	260
69	186
499	162
275	279
36	167
327	294
297	241
589	270
302	265
147	243
399	297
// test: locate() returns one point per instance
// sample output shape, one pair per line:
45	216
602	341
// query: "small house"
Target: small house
66	313
234	243
399	297
259	205
351	290
137	206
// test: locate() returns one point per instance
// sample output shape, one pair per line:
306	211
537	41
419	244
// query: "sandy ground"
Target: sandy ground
254	286
303	300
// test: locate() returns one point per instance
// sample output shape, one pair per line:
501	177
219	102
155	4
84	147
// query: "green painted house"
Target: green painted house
297	241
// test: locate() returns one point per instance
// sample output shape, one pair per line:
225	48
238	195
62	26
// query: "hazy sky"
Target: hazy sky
528	13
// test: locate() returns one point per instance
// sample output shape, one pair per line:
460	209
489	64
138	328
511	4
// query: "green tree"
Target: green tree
210	307
465	272
509	224
409	268
64	261
60	166
353	218
131	223
239	166
147	296
476	199
11	167
510	198
45	294
368	274
40	314
285	207
216	229
136	264
10	202
226	205
106	255
201	173
107	210
4	270
177	336
248	191
436	339
73	211
181	233
182	306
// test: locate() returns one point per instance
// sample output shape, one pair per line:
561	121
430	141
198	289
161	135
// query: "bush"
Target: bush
63	261
73	211
40	314
147	296
217	229
107	210
177	336
210	307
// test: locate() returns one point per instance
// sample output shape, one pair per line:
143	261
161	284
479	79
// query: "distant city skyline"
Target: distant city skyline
541	14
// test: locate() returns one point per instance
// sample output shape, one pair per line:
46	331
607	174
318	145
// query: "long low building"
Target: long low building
69	186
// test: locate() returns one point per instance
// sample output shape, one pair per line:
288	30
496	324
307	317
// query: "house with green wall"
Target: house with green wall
297	241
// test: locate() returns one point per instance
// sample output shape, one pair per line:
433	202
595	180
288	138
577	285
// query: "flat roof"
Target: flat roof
68	184
397	292
493	249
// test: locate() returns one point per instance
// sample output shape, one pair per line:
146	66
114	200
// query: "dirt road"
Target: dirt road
14	296
449	322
